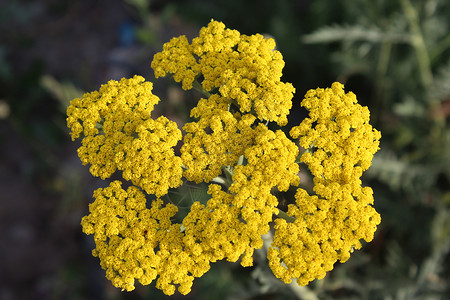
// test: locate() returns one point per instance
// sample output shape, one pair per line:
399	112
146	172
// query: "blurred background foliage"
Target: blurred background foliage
394	55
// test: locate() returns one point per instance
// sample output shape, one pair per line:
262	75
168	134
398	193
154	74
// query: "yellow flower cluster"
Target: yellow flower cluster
119	134
243	69
229	146
232	222
213	142
339	128
330	224
135	242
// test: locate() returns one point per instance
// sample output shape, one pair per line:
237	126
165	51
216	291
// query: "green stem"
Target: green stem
381	71
443	45
281	214
383	61
197	86
418	43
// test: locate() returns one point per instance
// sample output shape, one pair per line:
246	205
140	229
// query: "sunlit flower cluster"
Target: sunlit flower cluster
329	225
118	133
138	232
243	69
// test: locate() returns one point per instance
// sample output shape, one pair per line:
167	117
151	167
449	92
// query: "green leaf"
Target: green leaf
441	84
353	33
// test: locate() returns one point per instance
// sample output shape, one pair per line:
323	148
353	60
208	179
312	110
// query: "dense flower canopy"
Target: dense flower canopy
230	147
239	68
119	134
331	223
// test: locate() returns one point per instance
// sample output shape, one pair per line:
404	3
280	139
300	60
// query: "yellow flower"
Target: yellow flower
214	142
228	142
118	133
138	243
244	69
329	225
177	59
326	229
344	139
232	222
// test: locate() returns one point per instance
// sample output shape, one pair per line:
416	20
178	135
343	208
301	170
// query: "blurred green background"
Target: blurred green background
394	55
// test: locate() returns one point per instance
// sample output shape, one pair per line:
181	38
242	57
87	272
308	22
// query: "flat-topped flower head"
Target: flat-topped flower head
245	69
338	129
140	234
118	133
134	242
328	226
